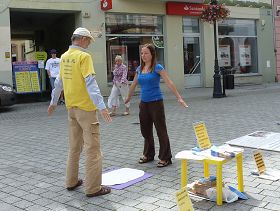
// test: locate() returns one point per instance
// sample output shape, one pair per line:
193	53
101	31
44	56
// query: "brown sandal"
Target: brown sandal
79	183
104	190
164	163
145	160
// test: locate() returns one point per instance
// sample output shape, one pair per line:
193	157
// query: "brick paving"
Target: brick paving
34	150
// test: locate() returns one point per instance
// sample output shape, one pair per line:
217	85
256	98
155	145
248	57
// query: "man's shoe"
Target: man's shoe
79	183
103	191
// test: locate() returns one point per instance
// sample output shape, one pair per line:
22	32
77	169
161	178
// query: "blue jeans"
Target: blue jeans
52	79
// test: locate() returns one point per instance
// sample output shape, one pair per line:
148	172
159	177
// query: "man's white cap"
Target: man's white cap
83	32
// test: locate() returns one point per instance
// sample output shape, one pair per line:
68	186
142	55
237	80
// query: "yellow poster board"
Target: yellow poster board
41	55
202	135
259	161
35	81
183	200
26	77
23	82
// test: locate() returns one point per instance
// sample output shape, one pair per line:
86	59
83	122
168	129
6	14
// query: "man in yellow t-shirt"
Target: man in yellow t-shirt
82	99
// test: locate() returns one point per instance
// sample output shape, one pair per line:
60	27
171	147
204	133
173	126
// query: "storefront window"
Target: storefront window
125	36
133	24
190	25
238	46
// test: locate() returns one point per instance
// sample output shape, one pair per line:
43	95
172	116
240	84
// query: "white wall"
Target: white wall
5	47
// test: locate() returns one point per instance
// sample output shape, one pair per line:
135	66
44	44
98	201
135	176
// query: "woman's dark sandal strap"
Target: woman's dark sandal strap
164	164
145	160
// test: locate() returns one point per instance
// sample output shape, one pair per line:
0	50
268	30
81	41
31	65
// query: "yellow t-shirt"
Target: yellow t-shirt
75	66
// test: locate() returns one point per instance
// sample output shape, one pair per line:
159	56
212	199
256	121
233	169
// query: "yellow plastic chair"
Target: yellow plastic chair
205	143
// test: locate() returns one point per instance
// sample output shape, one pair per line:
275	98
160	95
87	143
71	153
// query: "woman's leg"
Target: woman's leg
124	92
158	117
146	126
113	100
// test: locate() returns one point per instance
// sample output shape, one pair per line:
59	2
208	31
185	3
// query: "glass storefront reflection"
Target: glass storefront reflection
238	46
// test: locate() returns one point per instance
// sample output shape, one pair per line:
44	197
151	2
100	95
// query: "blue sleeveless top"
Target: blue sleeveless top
150	84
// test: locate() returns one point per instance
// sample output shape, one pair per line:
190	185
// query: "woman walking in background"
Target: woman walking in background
120	86
151	106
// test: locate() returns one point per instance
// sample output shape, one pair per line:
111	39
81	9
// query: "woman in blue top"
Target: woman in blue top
151	106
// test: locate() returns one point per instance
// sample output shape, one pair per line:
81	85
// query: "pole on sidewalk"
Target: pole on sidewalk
217	90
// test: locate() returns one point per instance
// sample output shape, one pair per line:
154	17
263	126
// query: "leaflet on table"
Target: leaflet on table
222	151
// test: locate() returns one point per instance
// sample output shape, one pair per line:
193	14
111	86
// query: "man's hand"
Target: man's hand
106	116
51	109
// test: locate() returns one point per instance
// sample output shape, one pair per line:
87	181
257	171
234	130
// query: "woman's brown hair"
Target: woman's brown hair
152	50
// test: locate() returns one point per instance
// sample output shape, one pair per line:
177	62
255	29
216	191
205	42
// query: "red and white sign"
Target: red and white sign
178	8
224	55
106	5
245	55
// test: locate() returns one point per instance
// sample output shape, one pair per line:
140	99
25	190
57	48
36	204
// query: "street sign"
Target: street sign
41	55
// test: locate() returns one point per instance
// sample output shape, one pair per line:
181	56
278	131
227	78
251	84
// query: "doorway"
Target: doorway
40	30
192	60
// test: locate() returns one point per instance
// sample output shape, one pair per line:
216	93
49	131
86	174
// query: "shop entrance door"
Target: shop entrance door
192	61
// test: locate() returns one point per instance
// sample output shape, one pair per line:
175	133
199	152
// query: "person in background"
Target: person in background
52	67
120	86
82	98
151	107
132	69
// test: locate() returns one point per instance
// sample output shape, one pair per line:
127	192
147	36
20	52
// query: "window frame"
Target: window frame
241	36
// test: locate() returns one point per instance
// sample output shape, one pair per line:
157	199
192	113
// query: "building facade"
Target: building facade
276	11
185	44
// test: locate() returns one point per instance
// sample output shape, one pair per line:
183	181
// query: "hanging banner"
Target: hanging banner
26	77
224	55
106	5
245	55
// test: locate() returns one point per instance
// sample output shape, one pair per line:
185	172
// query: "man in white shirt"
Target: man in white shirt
52	67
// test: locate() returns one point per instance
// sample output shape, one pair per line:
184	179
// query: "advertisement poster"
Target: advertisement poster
26	77
118	50
183	200
224	55
245	55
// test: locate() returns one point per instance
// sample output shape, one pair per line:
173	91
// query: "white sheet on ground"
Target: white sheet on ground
259	140
270	174
120	176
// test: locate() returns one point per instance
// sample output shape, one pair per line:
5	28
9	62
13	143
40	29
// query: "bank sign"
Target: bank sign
106	5
187	9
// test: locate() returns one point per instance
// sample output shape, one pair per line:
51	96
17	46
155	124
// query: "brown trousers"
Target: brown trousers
152	113
84	133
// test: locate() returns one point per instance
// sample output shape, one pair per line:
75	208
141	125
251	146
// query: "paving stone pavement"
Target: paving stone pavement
34	151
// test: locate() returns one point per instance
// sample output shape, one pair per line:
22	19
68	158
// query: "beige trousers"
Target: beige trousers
118	89
84	133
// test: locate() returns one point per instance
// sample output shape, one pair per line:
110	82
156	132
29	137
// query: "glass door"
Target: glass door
191	49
